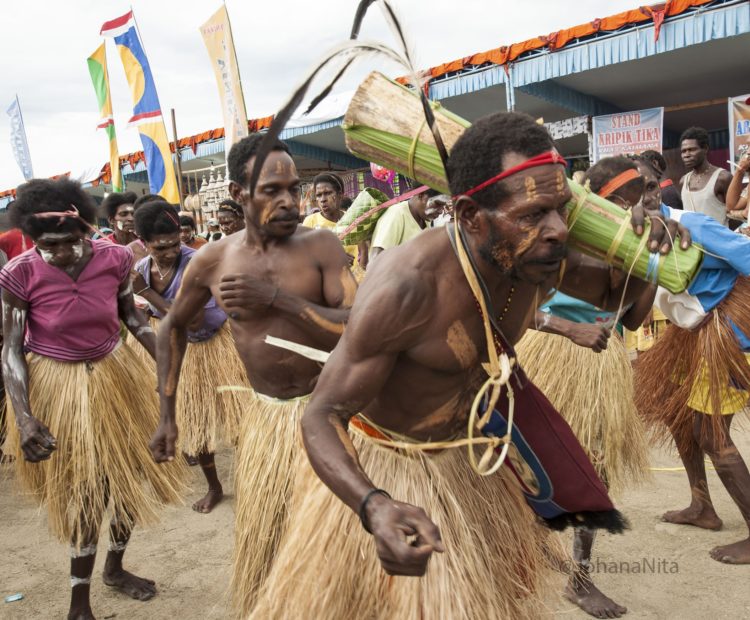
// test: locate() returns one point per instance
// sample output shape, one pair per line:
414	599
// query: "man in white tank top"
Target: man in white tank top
704	186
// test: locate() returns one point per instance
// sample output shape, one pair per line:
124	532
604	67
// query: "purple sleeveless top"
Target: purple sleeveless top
213	316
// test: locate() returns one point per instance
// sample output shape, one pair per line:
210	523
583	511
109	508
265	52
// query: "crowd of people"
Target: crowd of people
350	400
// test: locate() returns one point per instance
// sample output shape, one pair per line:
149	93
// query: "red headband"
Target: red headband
63	214
548	157
621	179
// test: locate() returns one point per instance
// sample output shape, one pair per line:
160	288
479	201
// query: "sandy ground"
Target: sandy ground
670	574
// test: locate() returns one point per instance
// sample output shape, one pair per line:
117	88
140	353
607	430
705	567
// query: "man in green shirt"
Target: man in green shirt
401	222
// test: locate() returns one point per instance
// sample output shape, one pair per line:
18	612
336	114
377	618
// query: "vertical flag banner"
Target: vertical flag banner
98	69
627	132
739	126
217	35
18	140
146	109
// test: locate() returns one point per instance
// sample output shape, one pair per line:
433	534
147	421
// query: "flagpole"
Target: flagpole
242	91
178	161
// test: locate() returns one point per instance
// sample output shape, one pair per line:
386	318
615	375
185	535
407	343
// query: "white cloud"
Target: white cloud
44	47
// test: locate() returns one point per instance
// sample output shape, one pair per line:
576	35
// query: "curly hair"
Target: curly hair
114	201
154	218
333	179
698	134
478	153
187	220
40	196
607	169
242	151
231	206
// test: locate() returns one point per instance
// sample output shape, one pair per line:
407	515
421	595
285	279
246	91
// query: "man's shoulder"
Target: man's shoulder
314	237
414	264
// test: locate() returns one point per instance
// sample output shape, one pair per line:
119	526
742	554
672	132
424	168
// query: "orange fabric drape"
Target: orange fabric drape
560	38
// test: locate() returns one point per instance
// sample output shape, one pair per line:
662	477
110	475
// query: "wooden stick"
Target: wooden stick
178	161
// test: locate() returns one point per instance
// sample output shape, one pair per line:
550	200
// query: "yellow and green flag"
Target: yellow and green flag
98	69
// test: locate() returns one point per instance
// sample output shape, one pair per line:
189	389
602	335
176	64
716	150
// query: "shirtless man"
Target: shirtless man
274	278
704	187
411	360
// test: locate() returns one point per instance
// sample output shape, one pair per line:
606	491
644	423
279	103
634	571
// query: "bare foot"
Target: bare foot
582	592
736	553
699	517
207	503
81	614
135	587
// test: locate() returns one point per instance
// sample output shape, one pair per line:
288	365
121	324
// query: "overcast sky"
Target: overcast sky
44	46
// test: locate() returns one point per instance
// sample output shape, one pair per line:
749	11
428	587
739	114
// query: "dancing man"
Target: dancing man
697	376
276	279
389	413
584	369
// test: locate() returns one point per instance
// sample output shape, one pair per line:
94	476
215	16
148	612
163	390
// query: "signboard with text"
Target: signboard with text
627	132
739	126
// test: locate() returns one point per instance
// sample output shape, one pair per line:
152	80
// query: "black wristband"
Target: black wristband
363	507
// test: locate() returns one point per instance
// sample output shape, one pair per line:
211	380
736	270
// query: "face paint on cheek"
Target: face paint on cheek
46	256
120	225
526	243
78	249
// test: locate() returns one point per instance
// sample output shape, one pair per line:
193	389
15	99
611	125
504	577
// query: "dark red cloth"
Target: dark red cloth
557	478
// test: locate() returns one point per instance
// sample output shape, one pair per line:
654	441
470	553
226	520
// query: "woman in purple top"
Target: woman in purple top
211	358
82	419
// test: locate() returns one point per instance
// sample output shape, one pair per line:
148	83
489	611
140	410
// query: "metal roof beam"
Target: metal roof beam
564	97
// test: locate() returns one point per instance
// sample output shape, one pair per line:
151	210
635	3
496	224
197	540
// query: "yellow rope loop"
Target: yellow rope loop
483	467
413	150
500	366
615	245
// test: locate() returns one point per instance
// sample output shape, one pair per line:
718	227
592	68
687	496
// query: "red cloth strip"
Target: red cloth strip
616	183
543	159
117	22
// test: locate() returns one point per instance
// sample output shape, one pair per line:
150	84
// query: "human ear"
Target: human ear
467	213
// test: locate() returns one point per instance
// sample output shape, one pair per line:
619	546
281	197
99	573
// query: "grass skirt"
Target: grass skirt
205	418
496	562
103	416
269	441
594	393
706	362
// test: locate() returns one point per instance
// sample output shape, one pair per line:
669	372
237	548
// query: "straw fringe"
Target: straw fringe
268	443
102	416
205	418
497	562
665	375
594	393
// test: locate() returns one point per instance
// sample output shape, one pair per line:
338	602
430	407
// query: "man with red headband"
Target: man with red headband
386	427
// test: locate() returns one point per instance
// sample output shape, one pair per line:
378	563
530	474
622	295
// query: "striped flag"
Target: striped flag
18	141
98	69
146	109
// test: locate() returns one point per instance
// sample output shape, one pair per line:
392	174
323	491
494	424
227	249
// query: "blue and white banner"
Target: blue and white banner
627	133
18	140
